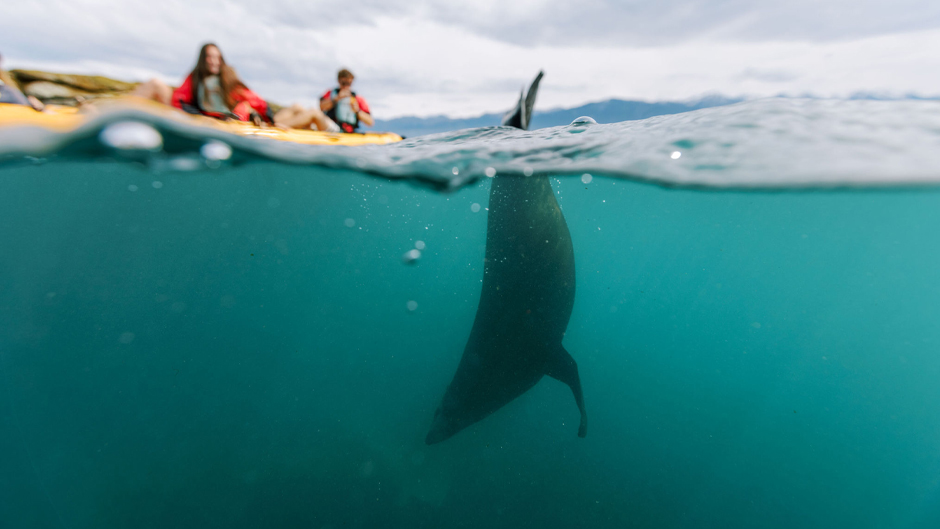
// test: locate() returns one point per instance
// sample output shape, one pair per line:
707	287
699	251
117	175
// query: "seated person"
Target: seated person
343	106
212	89
10	93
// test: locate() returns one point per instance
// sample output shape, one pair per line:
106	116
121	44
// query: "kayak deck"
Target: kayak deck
67	119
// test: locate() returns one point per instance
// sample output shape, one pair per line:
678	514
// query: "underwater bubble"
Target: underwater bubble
132	188
490	172
179	306
411	256
131	135
412	305
349	223
755	325
474	207
126	337
675	155
156	184
528	171
419	245
586	178
227	301
455	171
273	202
184	163
216	150
584	120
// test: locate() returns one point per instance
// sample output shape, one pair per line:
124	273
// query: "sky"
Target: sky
426	57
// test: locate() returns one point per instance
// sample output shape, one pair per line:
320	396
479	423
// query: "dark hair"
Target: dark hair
344	73
228	78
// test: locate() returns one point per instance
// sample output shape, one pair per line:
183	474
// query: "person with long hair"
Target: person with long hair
213	89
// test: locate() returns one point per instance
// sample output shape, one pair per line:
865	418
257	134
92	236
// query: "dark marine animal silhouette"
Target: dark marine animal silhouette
528	294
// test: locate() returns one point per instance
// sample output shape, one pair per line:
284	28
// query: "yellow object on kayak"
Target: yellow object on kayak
67	119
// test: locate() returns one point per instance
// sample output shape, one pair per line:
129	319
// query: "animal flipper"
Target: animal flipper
562	367
521	115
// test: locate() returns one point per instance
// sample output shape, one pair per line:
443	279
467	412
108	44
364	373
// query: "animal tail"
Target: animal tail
521	115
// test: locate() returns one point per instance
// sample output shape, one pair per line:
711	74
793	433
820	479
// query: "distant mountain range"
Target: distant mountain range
610	111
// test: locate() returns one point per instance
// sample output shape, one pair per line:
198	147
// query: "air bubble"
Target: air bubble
349	223
132	188
675	155
490	172
411	256
216	150
527	171
126	338
131	135
419	245
584	120
412	305
455	171
156	184
475	207
273	202
586	178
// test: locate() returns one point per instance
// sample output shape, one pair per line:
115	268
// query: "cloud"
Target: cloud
427	57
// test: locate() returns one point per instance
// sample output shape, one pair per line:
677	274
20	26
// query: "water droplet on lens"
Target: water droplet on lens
675	155
157	184
490	172
131	135
412	305
584	120
411	256
419	245
349	223
586	178
216	150
132	188
474	207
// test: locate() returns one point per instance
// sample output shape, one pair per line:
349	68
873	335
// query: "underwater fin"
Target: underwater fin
521	115
563	368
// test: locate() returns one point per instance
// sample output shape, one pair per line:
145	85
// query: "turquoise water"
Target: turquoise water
236	347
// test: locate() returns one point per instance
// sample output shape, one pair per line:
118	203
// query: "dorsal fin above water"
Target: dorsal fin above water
521	115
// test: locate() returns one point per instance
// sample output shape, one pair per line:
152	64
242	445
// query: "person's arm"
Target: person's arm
362	111
250	106
326	101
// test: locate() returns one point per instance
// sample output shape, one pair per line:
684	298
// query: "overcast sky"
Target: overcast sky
425	57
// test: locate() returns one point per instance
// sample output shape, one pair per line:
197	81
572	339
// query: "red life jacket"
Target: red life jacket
184	98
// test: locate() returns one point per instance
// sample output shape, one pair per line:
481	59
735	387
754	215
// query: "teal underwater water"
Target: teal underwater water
244	346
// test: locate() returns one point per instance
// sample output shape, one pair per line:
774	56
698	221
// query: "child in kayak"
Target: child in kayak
343	106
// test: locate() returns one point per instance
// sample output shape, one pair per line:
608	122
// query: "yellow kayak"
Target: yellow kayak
67	119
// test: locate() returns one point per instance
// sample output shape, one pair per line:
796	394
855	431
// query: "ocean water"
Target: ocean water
211	331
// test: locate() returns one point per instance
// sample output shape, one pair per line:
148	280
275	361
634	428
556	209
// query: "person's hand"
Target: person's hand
354	103
256	119
343	92
38	105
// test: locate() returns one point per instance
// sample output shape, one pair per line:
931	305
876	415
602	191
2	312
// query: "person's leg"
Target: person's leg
154	89
292	117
